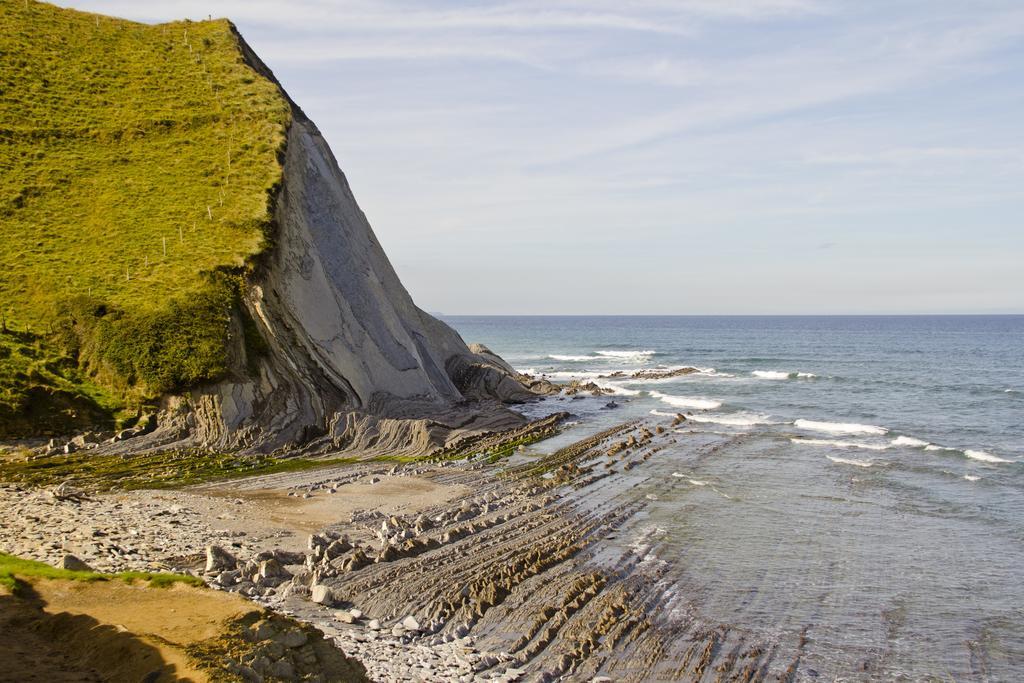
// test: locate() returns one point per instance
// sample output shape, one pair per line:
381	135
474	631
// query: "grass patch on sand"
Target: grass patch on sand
137	162
151	470
13	570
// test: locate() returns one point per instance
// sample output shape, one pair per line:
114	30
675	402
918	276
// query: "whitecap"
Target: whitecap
770	374
616	389
840	427
677	474
625	354
806	375
661	413
572	359
983	456
840	444
698	482
849	461
971	477
734	419
686	401
911	442
933	447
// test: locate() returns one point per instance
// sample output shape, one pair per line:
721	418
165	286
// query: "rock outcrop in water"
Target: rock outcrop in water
346	359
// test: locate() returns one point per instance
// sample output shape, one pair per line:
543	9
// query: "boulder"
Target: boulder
410	623
321	595
218	559
272	569
292	638
74	564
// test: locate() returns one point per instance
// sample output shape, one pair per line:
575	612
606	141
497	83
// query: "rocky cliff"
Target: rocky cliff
346	360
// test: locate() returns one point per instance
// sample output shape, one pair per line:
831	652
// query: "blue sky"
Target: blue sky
690	157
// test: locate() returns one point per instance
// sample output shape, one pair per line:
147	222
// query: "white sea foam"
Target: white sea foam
983	456
625	354
778	374
567	374
850	461
698	482
770	374
573	359
933	447
971	477
734	419
616	389
662	413
686	401
679	475
840	427
840	444
910	441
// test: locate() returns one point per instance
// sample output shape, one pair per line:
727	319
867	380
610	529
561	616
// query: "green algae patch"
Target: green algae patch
151	470
138	167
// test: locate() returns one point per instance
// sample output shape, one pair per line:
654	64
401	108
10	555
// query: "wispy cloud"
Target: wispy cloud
833	136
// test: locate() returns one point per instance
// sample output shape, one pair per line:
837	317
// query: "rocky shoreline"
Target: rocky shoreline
463	569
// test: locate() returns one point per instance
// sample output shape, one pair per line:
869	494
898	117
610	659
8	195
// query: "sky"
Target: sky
667	156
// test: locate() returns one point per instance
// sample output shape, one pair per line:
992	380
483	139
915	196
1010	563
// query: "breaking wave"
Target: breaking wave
778	374
840	427
735	419
971	477
840	444
983	456
573	359
686	401
850	461
625	354
910	441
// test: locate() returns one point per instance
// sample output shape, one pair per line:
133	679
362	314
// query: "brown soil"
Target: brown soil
274	508
75	631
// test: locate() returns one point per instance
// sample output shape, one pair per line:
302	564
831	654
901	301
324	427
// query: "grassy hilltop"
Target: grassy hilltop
137	166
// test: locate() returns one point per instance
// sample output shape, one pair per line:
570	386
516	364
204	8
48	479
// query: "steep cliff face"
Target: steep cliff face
345	359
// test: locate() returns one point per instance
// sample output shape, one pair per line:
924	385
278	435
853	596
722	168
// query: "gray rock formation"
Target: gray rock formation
348	360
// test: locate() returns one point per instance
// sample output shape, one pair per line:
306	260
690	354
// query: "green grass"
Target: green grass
14	569
44	391
150	470
136	162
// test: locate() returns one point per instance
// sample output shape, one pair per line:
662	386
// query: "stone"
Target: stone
272	569
218	559
321	595
74	564
373	624
283	669
410	623
356	613
264	631
228	577
292	638
345	617
398	630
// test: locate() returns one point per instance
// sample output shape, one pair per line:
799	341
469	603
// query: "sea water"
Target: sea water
859	480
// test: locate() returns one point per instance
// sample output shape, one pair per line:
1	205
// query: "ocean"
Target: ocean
854	481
